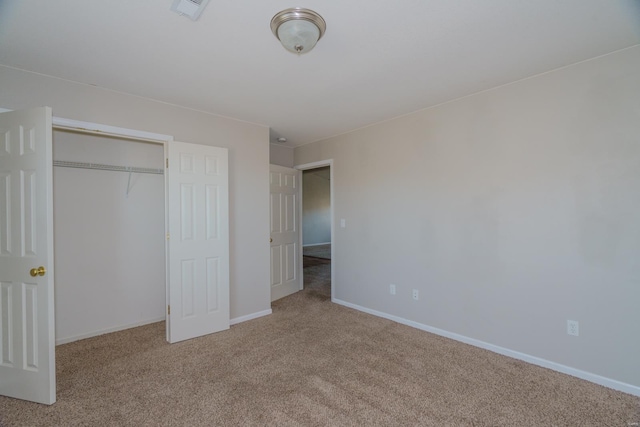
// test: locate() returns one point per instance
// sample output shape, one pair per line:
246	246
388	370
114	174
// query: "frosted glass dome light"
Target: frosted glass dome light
298	29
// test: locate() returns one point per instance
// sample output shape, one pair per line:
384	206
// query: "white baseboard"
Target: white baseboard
107	331
594	378
315	244
251	316
67	340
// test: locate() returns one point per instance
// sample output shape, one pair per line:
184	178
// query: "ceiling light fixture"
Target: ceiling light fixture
298	29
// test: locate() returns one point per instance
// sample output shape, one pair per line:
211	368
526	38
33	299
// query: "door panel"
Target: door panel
286	267
198	240
27	338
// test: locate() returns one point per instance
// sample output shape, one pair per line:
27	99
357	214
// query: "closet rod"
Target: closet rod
106	133
99	166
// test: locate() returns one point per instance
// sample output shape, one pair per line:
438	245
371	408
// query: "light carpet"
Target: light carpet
310	363
318	251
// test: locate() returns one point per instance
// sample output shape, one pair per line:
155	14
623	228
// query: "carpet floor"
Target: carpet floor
317	276
319	251
310	363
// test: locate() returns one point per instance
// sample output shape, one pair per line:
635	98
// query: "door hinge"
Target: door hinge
167	163
168	310
168	236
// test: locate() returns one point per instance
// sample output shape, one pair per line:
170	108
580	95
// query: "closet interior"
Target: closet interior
109	234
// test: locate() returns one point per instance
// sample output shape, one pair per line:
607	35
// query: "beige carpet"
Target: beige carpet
317	276
319	251
310	363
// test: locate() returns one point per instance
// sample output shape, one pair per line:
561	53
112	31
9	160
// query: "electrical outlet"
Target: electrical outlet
416	295
392	289
573	328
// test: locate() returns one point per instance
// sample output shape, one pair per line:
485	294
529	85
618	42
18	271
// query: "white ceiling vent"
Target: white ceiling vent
190	8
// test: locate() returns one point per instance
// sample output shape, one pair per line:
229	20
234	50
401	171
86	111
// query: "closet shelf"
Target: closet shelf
99	166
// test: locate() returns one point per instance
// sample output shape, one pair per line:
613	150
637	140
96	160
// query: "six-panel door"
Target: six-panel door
198	240
286	277
27	337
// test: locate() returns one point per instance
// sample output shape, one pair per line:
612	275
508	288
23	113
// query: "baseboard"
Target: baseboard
597	379
251	316
315	244
147	322
107	331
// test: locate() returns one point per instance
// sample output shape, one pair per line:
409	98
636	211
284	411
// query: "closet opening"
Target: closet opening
109	228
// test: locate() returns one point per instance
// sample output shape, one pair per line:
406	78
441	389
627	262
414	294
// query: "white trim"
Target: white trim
167	330
59	122
107	331
313	165
147	322
62	123
251	316
588	376
315	244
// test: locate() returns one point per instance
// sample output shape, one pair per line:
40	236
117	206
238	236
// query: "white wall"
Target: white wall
281	155
109	247
510	211
316	206
248	146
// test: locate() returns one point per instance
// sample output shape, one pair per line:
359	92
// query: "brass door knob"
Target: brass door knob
40	271
270	240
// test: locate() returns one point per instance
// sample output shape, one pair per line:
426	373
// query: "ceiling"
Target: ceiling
378	59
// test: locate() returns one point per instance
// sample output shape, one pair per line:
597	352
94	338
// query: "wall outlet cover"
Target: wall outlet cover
573	328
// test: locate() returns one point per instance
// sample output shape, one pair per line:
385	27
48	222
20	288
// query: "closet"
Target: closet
109	234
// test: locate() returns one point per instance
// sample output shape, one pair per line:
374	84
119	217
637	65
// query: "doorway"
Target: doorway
318	244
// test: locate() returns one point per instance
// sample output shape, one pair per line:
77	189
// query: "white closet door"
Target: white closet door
27	337
198	240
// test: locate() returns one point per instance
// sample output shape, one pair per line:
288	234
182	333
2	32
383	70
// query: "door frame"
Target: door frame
315	165
132	134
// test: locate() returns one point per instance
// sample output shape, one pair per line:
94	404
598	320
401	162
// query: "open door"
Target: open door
286	265
198	218
27	333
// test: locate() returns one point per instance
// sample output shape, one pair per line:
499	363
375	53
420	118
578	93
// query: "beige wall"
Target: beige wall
281	155
248	146
510	211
